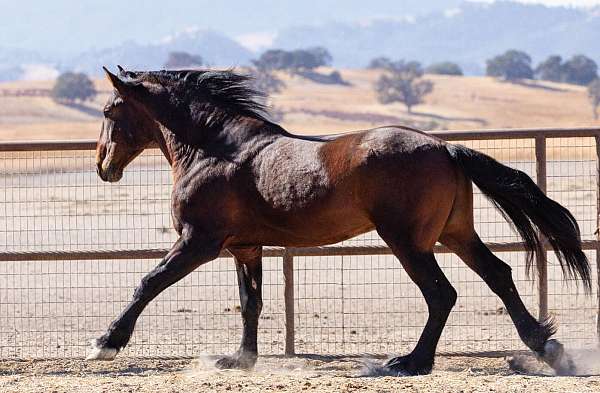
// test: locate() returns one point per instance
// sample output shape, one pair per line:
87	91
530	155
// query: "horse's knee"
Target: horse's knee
146	286
440	296
451	296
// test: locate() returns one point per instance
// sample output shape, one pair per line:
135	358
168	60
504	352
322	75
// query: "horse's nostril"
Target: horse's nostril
99	171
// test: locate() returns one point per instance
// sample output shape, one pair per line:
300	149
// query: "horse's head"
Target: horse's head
126	130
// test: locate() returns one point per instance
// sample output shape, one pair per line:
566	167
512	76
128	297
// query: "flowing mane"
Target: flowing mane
225	91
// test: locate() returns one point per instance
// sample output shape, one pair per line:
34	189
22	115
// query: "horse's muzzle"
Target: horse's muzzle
110	173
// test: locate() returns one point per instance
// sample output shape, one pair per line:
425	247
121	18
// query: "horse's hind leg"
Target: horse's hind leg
498	277
248	263
459	236
440	296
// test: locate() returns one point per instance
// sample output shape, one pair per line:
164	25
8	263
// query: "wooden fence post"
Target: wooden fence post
288	294
597	139
542	256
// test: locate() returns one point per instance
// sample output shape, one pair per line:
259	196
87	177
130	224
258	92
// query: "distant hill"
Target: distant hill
217	49
14	62
69	26
468	34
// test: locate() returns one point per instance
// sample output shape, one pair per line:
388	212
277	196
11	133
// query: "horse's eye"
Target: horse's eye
111	110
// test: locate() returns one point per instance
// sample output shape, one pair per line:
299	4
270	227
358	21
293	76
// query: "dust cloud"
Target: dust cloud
586	363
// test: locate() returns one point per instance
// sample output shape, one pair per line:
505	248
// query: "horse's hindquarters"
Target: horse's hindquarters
412	195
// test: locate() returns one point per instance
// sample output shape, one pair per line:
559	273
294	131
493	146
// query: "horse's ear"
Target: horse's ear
124	87
123	73
115	81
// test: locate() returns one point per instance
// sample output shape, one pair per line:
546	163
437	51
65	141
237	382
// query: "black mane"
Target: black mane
225	90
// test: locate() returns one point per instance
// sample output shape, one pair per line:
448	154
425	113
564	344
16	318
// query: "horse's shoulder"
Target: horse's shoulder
202	175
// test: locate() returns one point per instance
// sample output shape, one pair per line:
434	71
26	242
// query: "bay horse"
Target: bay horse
241	182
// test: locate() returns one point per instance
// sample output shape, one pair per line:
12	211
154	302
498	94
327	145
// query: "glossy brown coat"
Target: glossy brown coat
242	182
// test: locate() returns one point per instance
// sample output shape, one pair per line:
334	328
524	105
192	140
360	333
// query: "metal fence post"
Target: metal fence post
288	294
597	140
542	255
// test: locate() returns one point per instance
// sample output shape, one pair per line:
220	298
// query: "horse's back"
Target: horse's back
293	171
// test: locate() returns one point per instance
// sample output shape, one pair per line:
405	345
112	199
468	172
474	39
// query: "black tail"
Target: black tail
521	202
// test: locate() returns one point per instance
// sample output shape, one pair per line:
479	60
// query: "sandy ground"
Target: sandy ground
276	374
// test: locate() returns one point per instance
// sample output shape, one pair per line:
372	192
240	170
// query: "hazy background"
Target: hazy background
41	40
82	35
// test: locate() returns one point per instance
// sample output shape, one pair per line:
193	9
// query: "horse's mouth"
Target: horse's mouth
109	174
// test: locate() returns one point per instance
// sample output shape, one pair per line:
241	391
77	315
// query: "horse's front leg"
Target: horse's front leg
187	254
248	263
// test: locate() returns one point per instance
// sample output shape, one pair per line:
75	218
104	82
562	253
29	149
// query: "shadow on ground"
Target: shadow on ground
476	120
83	108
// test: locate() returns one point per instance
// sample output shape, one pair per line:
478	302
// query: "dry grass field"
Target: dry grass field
311	108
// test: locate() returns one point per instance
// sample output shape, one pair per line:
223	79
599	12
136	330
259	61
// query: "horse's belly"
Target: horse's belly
314	226
319	238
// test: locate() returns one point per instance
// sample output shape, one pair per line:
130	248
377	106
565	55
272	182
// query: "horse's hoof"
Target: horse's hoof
236	361
556	357
101	353
405	366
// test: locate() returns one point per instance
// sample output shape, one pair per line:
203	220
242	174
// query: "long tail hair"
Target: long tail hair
522	203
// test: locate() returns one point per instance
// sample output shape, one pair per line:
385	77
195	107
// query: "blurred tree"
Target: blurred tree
411	67
384	63
511	66
381	63
594	94
580	70
273	59
444	68
266	81
73	86
318	57
179	60
403	85
292	61
551	69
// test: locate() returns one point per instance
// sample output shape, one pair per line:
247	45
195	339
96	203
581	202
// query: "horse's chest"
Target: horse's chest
290	174
203	191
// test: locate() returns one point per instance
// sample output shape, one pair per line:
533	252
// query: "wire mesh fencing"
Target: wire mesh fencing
52	201
367	303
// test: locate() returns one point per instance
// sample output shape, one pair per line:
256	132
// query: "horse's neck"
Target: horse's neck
239	138
167	143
